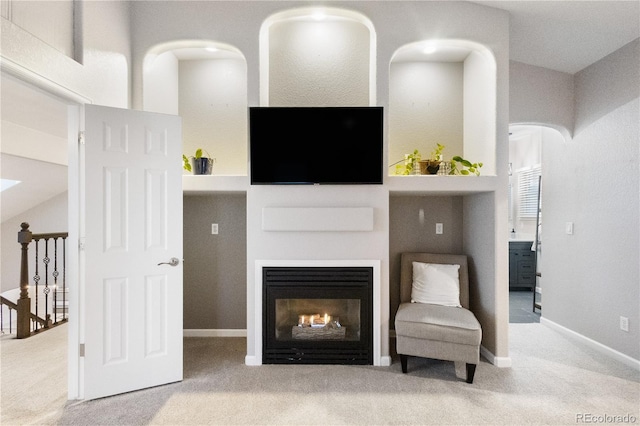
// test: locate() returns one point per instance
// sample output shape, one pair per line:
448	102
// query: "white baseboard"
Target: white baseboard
606	350
210	332
385	361
498	361
252	360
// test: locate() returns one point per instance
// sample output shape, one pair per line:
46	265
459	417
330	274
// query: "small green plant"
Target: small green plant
410	161
186	161
460	166
436	154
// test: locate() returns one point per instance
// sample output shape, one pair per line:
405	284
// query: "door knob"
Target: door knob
173	262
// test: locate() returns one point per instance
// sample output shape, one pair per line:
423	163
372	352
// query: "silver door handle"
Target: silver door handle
173	262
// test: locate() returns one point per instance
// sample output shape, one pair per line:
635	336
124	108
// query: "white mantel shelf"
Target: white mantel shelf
210	184
445	185
397	185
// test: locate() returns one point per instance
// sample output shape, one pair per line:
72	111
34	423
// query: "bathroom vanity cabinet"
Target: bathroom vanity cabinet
522	265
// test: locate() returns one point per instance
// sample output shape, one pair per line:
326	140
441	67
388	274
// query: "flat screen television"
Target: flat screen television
316	145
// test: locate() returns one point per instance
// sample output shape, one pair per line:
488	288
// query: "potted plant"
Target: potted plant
460	166
409	163
198	164
431	165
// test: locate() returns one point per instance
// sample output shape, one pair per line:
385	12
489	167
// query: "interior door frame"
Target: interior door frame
75	113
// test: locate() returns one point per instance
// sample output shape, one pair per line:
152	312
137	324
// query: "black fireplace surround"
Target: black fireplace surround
341	296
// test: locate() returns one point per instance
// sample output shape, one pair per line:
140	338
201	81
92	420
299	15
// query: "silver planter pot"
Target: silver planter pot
202	166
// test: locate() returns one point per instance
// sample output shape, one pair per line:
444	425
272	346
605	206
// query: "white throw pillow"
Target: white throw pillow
436	283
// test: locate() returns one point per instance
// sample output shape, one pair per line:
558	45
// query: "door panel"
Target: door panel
132	303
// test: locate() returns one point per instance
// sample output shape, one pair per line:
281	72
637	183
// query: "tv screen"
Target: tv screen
315	145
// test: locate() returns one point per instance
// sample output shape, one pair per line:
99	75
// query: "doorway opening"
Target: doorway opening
527	164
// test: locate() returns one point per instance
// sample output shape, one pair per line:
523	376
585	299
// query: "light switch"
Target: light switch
214	228
568	228
439	228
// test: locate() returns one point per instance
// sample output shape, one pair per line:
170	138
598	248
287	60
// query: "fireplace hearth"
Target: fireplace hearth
317	315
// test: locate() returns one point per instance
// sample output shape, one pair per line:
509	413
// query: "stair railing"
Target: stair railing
53	272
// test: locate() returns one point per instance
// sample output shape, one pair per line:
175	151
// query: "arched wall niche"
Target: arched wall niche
443	91
317	56
205	82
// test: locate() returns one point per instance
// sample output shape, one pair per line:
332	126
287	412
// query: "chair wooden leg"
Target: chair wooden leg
471	371
403	362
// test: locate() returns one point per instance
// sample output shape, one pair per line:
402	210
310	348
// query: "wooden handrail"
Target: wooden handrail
23	305
48	236
9	303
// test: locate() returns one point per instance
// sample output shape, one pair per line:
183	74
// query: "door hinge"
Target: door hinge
81	138
81	350
81	244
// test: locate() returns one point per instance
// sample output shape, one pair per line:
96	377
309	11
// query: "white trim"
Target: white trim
43	83
498	361
378	359
214	332
605	350
252	360
385	361
75	123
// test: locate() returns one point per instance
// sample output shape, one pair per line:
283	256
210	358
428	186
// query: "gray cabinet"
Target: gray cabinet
522	265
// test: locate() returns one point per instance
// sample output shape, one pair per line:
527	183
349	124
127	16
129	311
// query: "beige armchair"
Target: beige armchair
435	331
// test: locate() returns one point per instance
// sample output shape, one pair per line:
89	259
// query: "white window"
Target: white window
528	184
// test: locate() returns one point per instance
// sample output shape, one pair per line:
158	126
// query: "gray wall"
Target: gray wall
541	96
412	227
49	216
592	277
215	273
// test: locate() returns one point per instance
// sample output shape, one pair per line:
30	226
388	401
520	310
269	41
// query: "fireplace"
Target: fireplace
317	315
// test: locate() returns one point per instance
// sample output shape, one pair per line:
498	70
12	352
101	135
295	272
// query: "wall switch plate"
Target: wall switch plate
214	228
624	323
568	228
439	228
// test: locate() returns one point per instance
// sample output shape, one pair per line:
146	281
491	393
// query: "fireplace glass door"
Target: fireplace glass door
317	315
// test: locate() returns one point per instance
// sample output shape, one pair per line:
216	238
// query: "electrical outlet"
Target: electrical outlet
439	228
214	228
624	323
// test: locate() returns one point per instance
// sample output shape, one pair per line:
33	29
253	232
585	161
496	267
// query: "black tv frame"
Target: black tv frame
316	145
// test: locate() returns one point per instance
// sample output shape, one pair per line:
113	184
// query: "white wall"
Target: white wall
49	216
318	63
103	75
479	110
426	107
213	107
592	277
541	96
161	84
239	24
111	53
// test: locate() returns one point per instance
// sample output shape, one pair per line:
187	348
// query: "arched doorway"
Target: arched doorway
527	164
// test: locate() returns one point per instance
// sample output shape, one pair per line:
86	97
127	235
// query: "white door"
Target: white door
131	302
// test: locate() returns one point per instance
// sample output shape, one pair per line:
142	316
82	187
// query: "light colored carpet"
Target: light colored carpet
553	381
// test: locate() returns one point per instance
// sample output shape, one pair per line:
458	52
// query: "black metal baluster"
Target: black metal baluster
36	279
55	280
64	278
46	288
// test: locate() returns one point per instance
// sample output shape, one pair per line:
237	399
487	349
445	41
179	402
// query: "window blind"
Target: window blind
528	182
